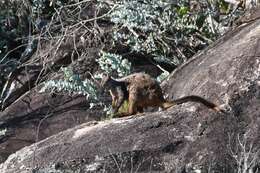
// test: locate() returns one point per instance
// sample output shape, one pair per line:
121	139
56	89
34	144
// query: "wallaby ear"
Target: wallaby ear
105	79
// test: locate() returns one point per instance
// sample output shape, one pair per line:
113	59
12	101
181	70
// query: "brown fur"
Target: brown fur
143	91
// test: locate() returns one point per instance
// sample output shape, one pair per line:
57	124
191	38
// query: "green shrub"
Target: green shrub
71	84
166	30
109	62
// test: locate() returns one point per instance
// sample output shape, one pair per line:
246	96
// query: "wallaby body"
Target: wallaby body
143	91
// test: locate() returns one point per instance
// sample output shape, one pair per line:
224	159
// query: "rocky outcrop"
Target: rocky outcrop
161	141
38	116
31	116
186	138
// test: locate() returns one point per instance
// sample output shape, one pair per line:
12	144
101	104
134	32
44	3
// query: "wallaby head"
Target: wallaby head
106	82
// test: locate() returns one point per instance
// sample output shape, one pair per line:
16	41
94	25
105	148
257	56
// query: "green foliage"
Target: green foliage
223	5
3	132
18	22
71	84
162	29
109	62
162	76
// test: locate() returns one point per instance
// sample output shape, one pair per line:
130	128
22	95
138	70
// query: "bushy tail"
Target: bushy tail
192	98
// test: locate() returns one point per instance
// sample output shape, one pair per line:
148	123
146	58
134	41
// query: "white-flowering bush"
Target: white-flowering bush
165	29
109	62
71	84
138	14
